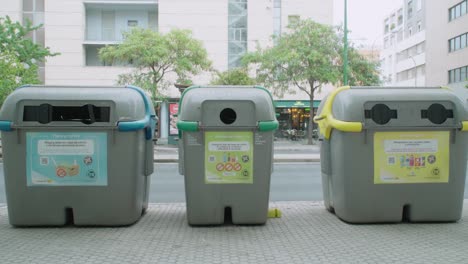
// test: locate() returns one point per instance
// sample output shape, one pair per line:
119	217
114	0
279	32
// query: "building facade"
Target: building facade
403	58
431	45
447	43
77	29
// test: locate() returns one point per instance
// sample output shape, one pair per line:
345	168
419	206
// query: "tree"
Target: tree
306	57
14	73
154	55
361	71
19	56
236	76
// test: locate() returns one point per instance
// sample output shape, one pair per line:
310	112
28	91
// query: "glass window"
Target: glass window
463	41
451	45
292	19
463	74
457	43
277	3
418	5
457	75
457	11
39	6
153	21
28	6
463	8
419	26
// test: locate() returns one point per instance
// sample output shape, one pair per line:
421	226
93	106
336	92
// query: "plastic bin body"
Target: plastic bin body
407	169
118	155
254	125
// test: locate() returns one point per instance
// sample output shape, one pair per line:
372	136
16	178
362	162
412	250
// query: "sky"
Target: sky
365	19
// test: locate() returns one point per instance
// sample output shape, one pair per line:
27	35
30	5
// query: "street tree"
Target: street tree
236	76
154	56
19	56
305	57
361	70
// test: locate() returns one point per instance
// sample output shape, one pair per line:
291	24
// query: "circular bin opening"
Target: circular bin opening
381	114
437	114
228	116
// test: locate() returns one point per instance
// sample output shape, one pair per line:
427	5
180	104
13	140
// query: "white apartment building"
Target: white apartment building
447	44
403	59
228	28
433	50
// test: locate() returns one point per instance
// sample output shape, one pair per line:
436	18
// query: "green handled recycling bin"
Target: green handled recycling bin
226	153
390	154
80	155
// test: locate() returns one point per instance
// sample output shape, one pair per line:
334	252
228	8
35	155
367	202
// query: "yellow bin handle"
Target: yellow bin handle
327	122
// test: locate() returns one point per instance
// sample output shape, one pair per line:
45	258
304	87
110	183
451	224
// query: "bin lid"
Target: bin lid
193	98
345	108
65	105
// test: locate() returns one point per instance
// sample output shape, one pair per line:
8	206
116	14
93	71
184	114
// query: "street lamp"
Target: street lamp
345	55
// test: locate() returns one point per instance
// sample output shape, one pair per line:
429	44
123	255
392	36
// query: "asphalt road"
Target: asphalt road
289	182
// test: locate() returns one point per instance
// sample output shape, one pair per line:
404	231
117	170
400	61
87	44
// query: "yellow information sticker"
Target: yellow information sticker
411	157
229	157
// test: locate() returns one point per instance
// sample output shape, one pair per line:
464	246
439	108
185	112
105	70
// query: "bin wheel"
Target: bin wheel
330	209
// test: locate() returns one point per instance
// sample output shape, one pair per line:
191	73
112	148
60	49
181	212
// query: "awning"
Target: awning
295	104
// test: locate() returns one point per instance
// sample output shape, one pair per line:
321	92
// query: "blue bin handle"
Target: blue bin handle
148	122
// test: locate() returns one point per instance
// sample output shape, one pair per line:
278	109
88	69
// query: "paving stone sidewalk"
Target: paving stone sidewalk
306	233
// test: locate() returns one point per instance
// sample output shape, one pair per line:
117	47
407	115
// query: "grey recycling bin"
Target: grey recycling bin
226	151
393	154
79	155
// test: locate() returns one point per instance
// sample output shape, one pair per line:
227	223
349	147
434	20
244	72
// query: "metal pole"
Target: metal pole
345	55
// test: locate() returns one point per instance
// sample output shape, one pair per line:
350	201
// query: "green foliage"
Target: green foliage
361	70
236	76
305	57
155	55
18	56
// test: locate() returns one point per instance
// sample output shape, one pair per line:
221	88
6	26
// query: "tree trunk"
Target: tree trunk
310	127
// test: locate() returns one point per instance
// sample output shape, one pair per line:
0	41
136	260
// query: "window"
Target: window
418	5
463	74
419	26
400	16
106	23
410	31
459	42
293	19
277	18
237	32
458	75
132	23
410	9
33	11
458	10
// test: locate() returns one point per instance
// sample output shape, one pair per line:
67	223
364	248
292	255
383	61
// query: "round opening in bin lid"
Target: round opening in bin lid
228	116
437	114
381	114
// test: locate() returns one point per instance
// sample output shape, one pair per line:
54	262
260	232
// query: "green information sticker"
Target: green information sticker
228	157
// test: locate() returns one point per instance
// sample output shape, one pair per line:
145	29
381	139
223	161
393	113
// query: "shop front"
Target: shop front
293	117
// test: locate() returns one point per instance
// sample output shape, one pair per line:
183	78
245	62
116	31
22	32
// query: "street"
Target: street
289	182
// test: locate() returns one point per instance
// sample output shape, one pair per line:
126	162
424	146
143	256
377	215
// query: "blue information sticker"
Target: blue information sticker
66	159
